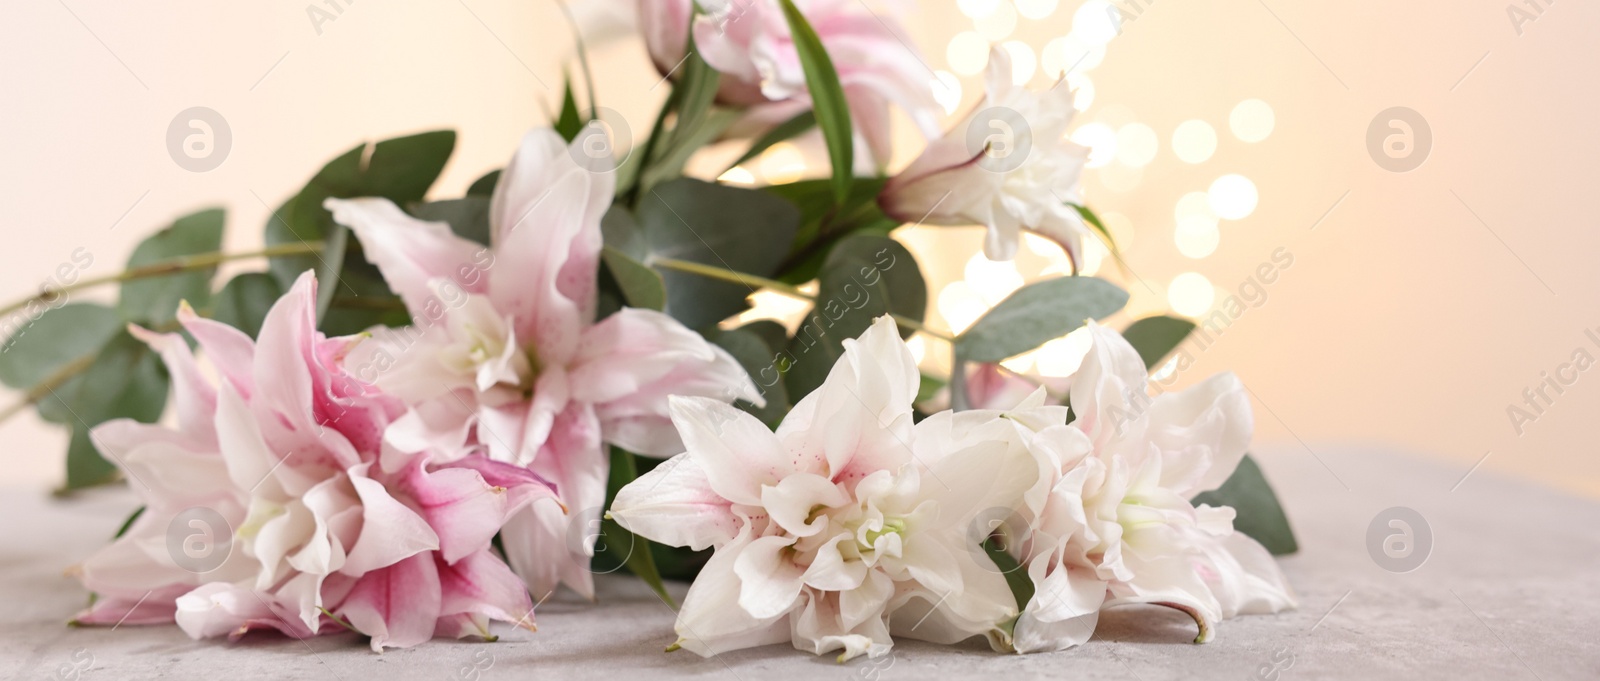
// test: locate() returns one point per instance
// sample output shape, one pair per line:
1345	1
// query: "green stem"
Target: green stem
186	263
66	373
752	282
164	268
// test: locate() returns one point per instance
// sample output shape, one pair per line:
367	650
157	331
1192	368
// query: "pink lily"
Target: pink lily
266	509
505	353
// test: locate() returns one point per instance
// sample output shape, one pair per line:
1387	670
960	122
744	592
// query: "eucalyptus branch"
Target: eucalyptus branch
47	386
752	281
164	268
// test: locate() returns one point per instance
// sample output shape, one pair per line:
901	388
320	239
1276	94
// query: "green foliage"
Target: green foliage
1260	516
154	301
619	547
823	222
750	346
468	217
827	99
244	301
401	170
782	132
126	380
727	227
1036	313
1155	337
864	277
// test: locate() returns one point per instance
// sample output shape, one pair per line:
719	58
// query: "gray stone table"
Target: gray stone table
1509	590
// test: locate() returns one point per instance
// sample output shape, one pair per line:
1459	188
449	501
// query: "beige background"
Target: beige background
1404	319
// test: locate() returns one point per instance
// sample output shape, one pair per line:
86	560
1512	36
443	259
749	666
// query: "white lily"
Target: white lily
1110	520
1008	165
845	525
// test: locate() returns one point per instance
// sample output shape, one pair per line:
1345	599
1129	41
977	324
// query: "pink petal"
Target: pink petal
413	254
398	606
390	531
481	584
464	510
546	231
193	398
153	607
227	349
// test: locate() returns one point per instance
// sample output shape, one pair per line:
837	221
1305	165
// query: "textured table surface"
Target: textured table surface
1509	590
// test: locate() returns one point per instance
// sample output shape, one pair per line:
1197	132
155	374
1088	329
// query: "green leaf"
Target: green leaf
1260	516
637	551
640	285
154	301
85	466
128	524
728	227
784	131
243	302
759	360
484	186
1016	574
570	122
928	387
1037	313
401	170
468	217
865	277
1155	337
670	164
698	91
1094	221
37	350
126	380
823	222
827	99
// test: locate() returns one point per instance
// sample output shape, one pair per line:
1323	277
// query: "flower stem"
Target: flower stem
55	380
752	282
178	265
164	268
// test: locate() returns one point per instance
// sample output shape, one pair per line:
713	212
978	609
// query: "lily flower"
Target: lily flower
847	525
1008	165
505	353
265	507
749	43
1110	520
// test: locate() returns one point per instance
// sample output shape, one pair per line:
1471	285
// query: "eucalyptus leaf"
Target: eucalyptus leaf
759	360
1156	337
823	222
640	285
85	466
468	217
865	277
401	170
782	132
154	300
484	186
731	228
244	301
1259	515
38	349
827	98
1037	313
126	380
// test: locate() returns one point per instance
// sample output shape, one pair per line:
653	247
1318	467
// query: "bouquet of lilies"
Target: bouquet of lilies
425	416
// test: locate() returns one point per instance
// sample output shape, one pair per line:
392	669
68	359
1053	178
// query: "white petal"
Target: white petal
770	580
674	504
